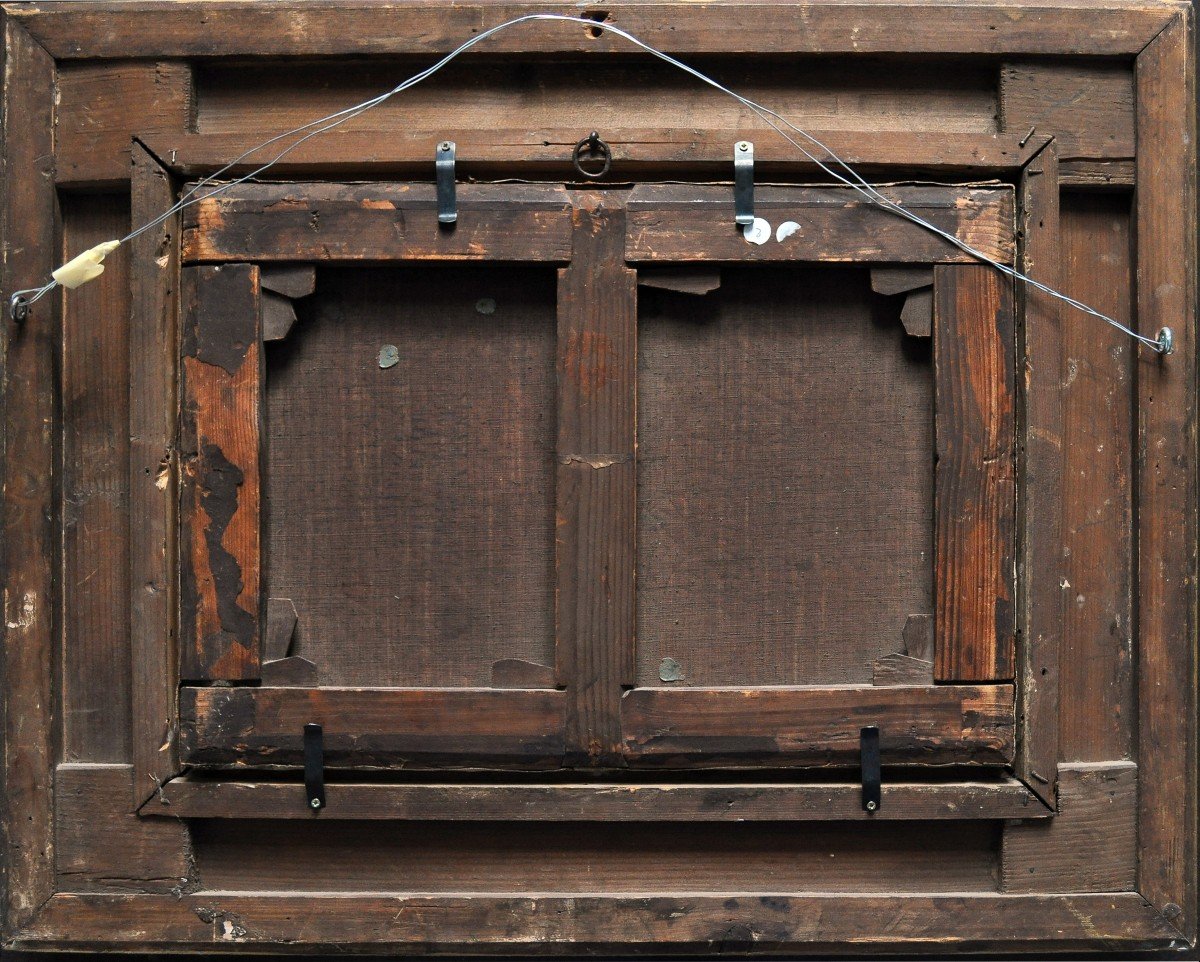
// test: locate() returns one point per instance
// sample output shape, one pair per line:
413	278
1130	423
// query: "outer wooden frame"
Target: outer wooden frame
1162	916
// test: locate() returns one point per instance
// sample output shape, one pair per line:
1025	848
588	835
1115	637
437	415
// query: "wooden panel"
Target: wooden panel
103	847
1041	558
974	486
323	222
819	726
220	617
385	726
30	540
410	509
153	473
780	922
785	492
511	97
695	223
595	554
1166	476
1089	846
102	105
636	151
1087	105
294	29
1097	692
626	801
567	858
95	490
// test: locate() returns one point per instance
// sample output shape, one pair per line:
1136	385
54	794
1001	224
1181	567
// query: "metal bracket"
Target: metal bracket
314	766
872	791
743	182
446	194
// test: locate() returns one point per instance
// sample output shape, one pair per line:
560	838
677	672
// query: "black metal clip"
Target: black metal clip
446	193
743	183
314	766
872	778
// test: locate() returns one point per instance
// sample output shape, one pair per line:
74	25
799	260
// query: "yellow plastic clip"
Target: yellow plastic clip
87	266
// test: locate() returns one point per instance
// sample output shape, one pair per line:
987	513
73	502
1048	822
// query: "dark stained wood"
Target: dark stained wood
31	574
785	479
1097	697
919	637
531	858
96	666
612	801
1041	555
778	923
896	669
445	564
533	149
595	549
1089	846
383	726
331	222
101	846
948	724
153	468
1103	175
102	105
220	604
695	223
148	28
974	488
289	280
900	280
1166	476
917	313
278	316
1087	104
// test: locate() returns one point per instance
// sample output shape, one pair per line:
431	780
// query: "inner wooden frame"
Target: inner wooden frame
966	719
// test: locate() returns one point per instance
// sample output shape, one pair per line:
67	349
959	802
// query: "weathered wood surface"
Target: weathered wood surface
220	553
975	489
150	28
1041	557
332	222
190	797
947	724
785	484
1166	476
153	476
395	727
644	924
695	223
31	571
546	151
595	544
445	563
103	847
1089	846
1097	697
101	106
96	663
1087	105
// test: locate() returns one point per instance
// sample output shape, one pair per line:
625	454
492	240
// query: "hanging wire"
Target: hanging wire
830	163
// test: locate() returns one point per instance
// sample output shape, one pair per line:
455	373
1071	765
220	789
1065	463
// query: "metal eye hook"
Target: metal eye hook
595	148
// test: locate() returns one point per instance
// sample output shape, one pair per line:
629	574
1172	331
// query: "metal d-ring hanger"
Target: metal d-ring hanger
89	264
592	148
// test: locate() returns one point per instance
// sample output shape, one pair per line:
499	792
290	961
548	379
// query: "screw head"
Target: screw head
18	309
314	802
743	145
444	145
1166	341
871	806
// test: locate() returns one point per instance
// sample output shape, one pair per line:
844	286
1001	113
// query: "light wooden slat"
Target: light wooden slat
974	484
946	724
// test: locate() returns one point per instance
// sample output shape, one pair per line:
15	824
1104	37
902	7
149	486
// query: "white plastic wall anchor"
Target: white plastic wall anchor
86	266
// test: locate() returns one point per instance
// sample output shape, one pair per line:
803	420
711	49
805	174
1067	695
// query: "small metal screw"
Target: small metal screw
444	145
314	802
871	806
18	308
743	145
1166	341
